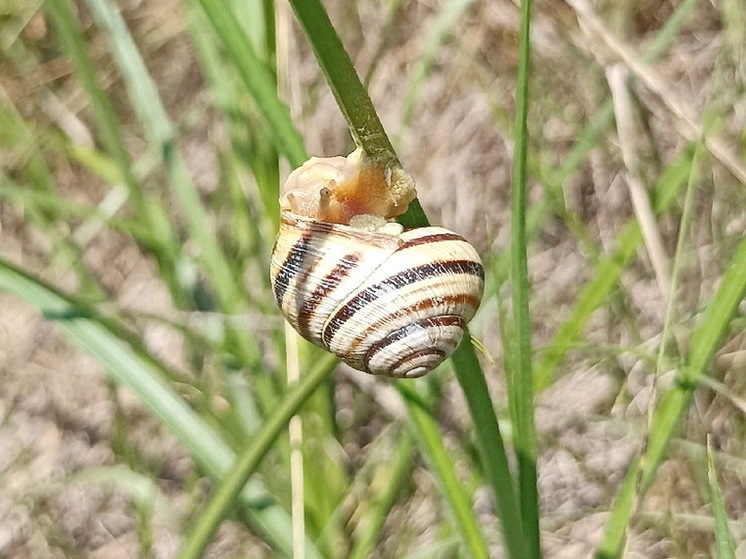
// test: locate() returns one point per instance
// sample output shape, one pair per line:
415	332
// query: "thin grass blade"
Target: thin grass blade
457	498
128	368
725	545
158	129
258	78
245	465
521	382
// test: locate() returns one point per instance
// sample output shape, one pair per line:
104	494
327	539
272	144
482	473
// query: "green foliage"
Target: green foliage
725	547
230	400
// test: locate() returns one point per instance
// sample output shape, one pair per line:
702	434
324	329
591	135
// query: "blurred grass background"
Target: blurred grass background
139	164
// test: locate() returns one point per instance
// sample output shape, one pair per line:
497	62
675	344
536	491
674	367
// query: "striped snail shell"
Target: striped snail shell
386	300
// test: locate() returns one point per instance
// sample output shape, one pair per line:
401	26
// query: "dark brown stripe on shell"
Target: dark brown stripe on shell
327	284
292	264
435	238
295	261
416	355
397	281
432	322
419	306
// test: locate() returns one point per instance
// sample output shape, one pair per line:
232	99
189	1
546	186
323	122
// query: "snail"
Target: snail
386	300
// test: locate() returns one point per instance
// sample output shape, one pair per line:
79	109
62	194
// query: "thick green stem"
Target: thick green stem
521	386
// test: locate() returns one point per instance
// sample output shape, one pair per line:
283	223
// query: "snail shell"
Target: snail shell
387	301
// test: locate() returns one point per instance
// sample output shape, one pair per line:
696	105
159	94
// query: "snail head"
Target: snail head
340	189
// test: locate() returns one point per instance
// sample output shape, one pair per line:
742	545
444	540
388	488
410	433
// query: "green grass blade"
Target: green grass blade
159	131
449	14
226	493
457	497
620	514
127	368
667	415
725	546
397	474
521	385
490	443
724	305
607	272
258	78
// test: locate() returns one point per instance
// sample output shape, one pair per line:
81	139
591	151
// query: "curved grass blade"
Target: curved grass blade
457	497
160	133
128	368
258	79
666	418
247	462
149	211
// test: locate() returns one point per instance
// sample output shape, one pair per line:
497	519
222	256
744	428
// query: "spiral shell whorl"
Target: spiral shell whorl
389	303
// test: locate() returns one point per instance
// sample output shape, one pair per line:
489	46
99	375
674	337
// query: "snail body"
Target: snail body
386	300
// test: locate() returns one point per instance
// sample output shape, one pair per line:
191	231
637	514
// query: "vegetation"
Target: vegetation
154	405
